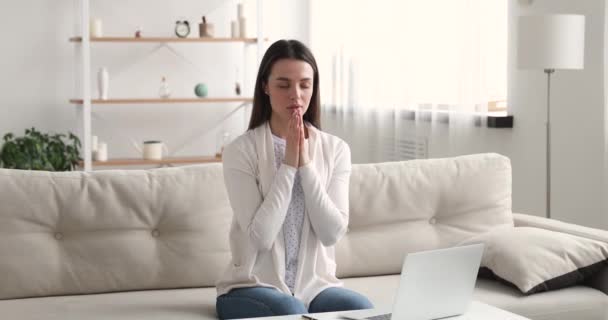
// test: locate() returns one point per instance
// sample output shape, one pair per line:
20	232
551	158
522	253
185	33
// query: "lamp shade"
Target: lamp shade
551	41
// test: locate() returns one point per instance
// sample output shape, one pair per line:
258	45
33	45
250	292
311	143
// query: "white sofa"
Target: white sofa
149	244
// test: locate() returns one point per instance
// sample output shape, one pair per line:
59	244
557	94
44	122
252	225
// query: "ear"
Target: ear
266	88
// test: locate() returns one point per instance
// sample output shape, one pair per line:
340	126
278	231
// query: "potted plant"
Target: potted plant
40	151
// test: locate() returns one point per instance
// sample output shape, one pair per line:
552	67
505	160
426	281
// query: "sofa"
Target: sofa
150	244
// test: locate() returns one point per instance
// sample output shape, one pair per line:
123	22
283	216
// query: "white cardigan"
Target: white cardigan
260	194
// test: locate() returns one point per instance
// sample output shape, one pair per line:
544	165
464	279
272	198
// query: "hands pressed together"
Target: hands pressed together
296	151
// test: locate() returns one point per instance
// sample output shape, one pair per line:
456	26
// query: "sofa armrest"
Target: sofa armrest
525	220
598	281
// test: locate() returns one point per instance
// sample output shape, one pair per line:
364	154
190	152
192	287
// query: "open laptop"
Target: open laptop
435	284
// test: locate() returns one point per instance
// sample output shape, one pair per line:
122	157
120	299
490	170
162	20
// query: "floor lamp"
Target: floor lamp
550	42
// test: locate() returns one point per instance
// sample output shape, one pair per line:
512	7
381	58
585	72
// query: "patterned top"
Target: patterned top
292	227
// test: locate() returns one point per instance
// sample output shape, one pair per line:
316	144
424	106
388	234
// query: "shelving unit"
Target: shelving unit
165	39
163	101
166	161
84	104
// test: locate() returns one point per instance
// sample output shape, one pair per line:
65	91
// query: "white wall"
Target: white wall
605	111
579	126
41	72
37	63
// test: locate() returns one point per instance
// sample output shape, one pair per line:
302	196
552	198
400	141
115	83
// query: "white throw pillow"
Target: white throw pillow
536	260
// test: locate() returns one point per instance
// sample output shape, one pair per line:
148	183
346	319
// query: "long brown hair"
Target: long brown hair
284	49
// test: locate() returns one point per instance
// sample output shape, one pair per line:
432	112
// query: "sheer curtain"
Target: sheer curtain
408	68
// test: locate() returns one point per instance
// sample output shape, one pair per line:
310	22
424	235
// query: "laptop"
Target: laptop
435	284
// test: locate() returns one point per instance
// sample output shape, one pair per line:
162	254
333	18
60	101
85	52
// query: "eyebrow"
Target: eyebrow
286	79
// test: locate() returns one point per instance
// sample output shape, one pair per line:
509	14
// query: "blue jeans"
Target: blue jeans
266	302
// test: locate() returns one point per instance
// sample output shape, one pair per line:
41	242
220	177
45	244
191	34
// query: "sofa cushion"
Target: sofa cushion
581	303
578	302
536	260
119	230
115	230
401	207
182	304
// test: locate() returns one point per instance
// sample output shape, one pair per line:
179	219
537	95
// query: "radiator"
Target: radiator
404	148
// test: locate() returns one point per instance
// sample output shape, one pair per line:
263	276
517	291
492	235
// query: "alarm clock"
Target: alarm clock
182	28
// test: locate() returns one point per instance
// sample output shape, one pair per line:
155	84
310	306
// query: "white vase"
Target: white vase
102	152
242	27
96	28
103	79
164	91
234	29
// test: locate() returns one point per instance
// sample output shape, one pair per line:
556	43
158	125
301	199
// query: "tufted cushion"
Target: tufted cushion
119	230
401	207
115	230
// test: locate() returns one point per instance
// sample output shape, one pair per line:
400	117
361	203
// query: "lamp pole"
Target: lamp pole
548	155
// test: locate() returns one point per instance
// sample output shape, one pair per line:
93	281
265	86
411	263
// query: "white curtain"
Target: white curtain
409	68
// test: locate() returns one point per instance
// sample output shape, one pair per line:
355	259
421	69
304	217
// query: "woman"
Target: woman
287	182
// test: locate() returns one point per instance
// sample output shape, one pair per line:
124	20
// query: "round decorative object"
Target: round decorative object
201	90
182	28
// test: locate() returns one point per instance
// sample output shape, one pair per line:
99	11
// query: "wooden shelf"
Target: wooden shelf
165	161
159	100
165	39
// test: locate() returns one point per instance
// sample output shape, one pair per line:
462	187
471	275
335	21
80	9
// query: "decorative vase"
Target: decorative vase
96	28
243	27
103	79
234	29
102	152
201	90
164	91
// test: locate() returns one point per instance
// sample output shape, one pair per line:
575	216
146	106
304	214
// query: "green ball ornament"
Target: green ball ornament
201	90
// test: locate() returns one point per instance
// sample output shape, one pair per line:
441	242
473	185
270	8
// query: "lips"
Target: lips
293	107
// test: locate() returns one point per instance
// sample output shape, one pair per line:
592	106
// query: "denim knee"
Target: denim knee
339	299
257	302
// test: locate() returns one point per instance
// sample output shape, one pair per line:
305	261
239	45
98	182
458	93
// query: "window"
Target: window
444	55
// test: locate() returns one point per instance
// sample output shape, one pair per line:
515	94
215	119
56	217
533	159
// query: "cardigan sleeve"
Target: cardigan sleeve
328	209
260	217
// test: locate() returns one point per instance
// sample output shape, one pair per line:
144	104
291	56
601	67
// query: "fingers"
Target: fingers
292	124
296	131
293	136
302	133
292	150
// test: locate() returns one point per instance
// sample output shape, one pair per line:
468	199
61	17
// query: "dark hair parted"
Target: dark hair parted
284	49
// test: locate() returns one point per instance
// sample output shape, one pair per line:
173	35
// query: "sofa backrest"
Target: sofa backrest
118	230
115	230
408	206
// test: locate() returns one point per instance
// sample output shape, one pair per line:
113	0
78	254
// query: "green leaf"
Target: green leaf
36	150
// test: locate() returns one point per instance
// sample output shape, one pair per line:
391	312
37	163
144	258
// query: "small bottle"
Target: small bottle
237	85
222	140
164	91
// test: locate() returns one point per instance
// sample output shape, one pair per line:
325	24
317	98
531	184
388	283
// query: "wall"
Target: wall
605	112
578	124
39	78
41	73
579	138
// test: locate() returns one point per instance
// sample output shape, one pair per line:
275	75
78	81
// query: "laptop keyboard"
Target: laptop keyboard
386	316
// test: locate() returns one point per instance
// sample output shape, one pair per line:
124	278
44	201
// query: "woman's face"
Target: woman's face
289	87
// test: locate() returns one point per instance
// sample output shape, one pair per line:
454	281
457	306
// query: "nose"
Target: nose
294	94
